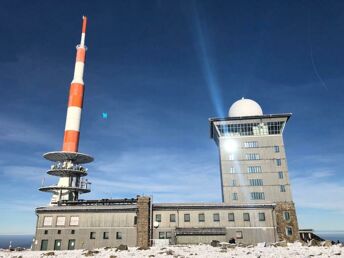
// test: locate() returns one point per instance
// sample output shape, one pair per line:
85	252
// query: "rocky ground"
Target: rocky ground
282	249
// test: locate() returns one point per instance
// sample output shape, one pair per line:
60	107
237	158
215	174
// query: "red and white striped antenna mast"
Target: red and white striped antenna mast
67	162
76	96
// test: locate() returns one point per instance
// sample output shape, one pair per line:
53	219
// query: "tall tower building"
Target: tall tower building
68	162
253	162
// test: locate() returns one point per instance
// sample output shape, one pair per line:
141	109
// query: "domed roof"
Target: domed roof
245	107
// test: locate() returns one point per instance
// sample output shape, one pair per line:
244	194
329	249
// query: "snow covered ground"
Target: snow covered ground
292	250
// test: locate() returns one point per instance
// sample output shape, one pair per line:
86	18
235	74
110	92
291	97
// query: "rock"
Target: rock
143	248
261	244
215	243
282	244
232	246
91	252
152	255
113	256
336	253
169	252
326	243
314	242
107	248
49	254
122	248
250	246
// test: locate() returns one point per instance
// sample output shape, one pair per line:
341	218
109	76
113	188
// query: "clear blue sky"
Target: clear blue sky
160	69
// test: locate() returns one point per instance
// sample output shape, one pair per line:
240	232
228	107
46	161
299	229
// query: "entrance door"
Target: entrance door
71	244
44	245
57	245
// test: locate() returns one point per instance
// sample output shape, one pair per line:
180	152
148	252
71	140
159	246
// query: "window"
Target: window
276	148
186	217
161	235
231	217
57	245
286	215
60	221
48	221
72	231
257	196
252	156
233	183
216	217
289	231
254	169
172	217
230	157
232	170
280	175
93	235
282	188
45	232
238	234
158	217
201	217
44	245
234	196
74	221
106	235
243	129
118	235
168	235
246	216
71	244
278	162
261	216
250	144
256	182
135	220
59	232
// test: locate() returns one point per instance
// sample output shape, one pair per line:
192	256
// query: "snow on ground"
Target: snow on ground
293	250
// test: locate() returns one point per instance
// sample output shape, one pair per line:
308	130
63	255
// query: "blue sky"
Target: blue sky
160	69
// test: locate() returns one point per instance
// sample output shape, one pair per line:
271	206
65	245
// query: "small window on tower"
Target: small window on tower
246	216
216	217
286	215
278	162
74	221
158	217
92	235
201	217
280	175
230	216
276	148
48	221
289	231
118	235
234	196
261	216
186	217
106	235
172	217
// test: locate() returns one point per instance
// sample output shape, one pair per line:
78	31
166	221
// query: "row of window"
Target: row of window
252	170
268	128
105	235
254	144
57	244
257	182
257	195
254	156
60	221
216	217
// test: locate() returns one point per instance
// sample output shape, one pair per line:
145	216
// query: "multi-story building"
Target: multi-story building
256	197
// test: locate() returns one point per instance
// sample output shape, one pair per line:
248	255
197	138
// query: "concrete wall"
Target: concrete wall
253	231
111	221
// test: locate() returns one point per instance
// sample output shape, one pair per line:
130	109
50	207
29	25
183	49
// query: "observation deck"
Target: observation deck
75	157
57	189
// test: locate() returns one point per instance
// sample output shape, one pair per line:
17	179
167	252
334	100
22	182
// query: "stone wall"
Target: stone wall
282	223
143	221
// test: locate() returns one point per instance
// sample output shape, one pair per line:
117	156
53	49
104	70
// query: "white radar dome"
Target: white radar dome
245	107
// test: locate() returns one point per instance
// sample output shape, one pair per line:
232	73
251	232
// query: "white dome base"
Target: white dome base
245	107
